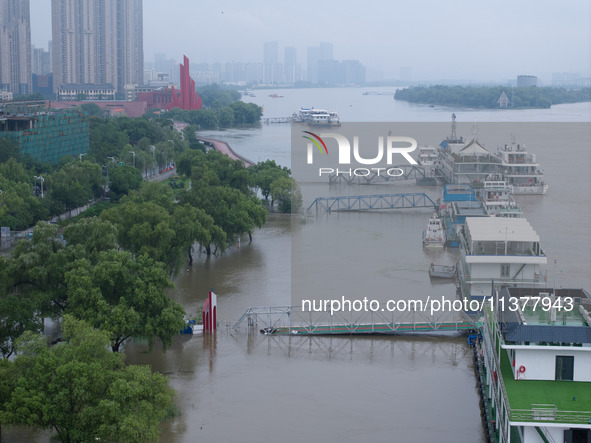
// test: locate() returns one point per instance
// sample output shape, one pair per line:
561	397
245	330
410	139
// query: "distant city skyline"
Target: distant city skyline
15	47
462	39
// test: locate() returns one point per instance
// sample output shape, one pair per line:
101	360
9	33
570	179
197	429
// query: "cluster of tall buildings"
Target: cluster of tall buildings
96	52
94	42
320	68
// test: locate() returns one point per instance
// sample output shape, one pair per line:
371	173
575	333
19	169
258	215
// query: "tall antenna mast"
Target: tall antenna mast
453	127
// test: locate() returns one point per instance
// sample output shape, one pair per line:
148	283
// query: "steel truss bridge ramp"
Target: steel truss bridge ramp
368	348
409	172
289	320
373	202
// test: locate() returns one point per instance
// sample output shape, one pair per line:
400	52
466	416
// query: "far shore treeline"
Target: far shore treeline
488	96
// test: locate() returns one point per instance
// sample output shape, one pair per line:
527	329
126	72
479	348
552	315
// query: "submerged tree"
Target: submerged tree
124	297
287	193
82	390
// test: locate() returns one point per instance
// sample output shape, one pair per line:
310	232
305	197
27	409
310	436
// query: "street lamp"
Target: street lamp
133	153
81	156
153	149
112	159
41	179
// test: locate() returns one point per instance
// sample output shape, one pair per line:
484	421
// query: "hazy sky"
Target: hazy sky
461	39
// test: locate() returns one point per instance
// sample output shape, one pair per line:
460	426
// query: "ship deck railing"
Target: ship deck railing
550	413
565	395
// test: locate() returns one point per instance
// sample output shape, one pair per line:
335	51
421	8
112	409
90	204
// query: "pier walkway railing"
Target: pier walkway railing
409	172
373	202
285	320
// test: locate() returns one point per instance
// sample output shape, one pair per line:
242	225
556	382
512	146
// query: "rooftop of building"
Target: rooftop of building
20	108
85	86
528	318
469	209
483	229
22	116
112	107
458	192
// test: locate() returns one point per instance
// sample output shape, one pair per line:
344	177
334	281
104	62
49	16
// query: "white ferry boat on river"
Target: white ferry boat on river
317	117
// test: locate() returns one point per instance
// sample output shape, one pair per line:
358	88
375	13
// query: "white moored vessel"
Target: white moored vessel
497	197
434	235
318	117
428	156
521	170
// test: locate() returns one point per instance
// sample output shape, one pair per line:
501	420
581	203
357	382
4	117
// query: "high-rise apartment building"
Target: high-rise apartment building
270	62
15	46
130	41
290	62
40	61
97	42
315	55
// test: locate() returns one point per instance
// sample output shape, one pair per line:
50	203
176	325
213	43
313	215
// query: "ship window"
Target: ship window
565	367
505	270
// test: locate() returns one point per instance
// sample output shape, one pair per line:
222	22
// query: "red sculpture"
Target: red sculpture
186	98
210	313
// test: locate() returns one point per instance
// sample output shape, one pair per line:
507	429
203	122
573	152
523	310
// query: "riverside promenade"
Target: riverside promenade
225	148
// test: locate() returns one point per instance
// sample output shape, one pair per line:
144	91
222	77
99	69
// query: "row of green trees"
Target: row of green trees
23	202
105	277
235	114
488	96
122	151
216	96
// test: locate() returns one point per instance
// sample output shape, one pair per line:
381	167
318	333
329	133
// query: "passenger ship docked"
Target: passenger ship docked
471	162
497	197
521	169
534	365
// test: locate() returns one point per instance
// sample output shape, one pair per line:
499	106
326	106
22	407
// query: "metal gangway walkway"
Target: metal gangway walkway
373	202
286	320
409	172
271	120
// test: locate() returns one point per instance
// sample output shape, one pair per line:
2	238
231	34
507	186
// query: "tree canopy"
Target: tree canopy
8	149
231	210
488	96
263	174
19	207
124	297
89	277
81	390
216	97
286	191
74	185
123	179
